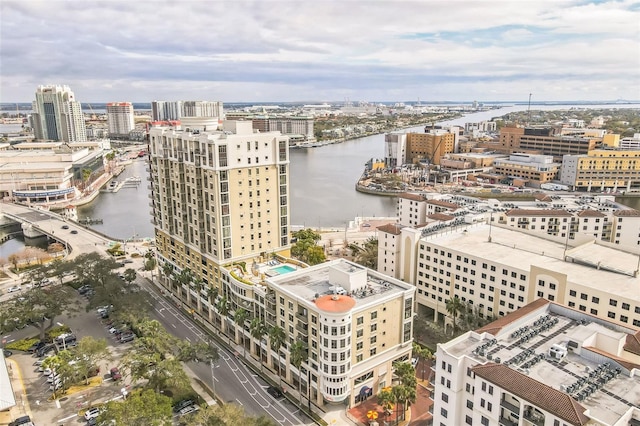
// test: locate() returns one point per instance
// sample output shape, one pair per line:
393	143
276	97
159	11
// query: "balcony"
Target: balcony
506	422
302	328
302	317
511	407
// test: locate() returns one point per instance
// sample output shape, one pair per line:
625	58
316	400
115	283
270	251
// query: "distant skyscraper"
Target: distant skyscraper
163	110
176	110
120	119
57	115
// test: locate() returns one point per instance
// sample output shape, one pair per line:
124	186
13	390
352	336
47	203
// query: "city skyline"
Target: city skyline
322	51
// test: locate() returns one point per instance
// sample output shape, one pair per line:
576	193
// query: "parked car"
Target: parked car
65	226
13	289
84	289
182	404
188	410
34	348
115	373
45	350
73	231
274	392
22	421
127	337
7	353
92	413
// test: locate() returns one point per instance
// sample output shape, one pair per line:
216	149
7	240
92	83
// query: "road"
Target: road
234	382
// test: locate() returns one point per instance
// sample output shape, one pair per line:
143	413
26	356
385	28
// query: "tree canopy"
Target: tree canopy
306	249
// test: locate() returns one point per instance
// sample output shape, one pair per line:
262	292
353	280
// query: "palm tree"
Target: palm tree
454	306
298	355
222	306
368	254
240	317
167	271
258	330
387	400
400	395
422	353
184	278
276	339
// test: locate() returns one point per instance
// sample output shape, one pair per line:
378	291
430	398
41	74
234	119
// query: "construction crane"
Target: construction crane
93	114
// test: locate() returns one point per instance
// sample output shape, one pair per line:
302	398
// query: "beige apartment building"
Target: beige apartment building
431	146
546	141
602	169
221	215
499	269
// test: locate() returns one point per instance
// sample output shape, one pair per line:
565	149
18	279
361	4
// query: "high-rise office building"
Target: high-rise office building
57	115
176	110
120	119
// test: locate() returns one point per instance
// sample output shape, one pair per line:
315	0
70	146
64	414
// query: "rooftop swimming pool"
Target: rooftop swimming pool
282	269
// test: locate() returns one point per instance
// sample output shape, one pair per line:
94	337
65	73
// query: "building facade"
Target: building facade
534	169
120	119
431	146
57	115
221	215
602	169
546	141
543	364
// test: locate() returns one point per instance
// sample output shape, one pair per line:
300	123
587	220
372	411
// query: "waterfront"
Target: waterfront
322	184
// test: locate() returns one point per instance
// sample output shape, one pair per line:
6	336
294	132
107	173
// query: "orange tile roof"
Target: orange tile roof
547	398
497	325
335	303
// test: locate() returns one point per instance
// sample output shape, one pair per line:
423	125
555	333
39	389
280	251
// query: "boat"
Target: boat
113	184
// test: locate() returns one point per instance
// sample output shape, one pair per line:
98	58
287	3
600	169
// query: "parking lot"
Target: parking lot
47	412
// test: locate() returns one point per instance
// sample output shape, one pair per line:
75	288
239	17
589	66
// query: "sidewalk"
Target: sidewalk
333	415
22	407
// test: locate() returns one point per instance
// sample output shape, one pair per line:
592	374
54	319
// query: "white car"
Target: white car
92	413
13	289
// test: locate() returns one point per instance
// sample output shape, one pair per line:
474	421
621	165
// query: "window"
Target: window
468	420
595	299
613	302
445	397
611	314
572	293
484	421
469	404
443	413
625	306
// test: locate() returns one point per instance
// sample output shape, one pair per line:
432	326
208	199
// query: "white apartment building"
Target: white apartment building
356	323
176	110
500	269
120	119
395	149
166	110
580	216
57	115
543	364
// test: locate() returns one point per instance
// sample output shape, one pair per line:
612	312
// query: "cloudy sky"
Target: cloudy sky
322	50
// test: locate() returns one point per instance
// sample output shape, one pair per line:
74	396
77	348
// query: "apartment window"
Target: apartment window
625	306
469	404
613	302
484	421
583	296
443	413
624	318
611	314
595	299
582	308
445	397
594	311
572	293
468	420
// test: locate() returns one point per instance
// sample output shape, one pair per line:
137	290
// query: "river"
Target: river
322	184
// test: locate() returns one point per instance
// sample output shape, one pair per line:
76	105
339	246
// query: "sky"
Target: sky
322	50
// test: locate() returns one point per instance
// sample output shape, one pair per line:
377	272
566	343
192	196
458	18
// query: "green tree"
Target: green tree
306	249
87	353
145	408
222	306
367	255
39	307
240	317
387	400
276	340
298	355
454	306
167	271
423	354
258	330
130	275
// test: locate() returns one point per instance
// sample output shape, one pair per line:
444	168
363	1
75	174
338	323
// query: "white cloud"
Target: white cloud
304	50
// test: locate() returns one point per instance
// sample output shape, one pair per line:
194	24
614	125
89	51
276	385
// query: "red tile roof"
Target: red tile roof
591	213
627	213
446	204
414	197
633	343
391	228
441	216
526	212
497	325
538	394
